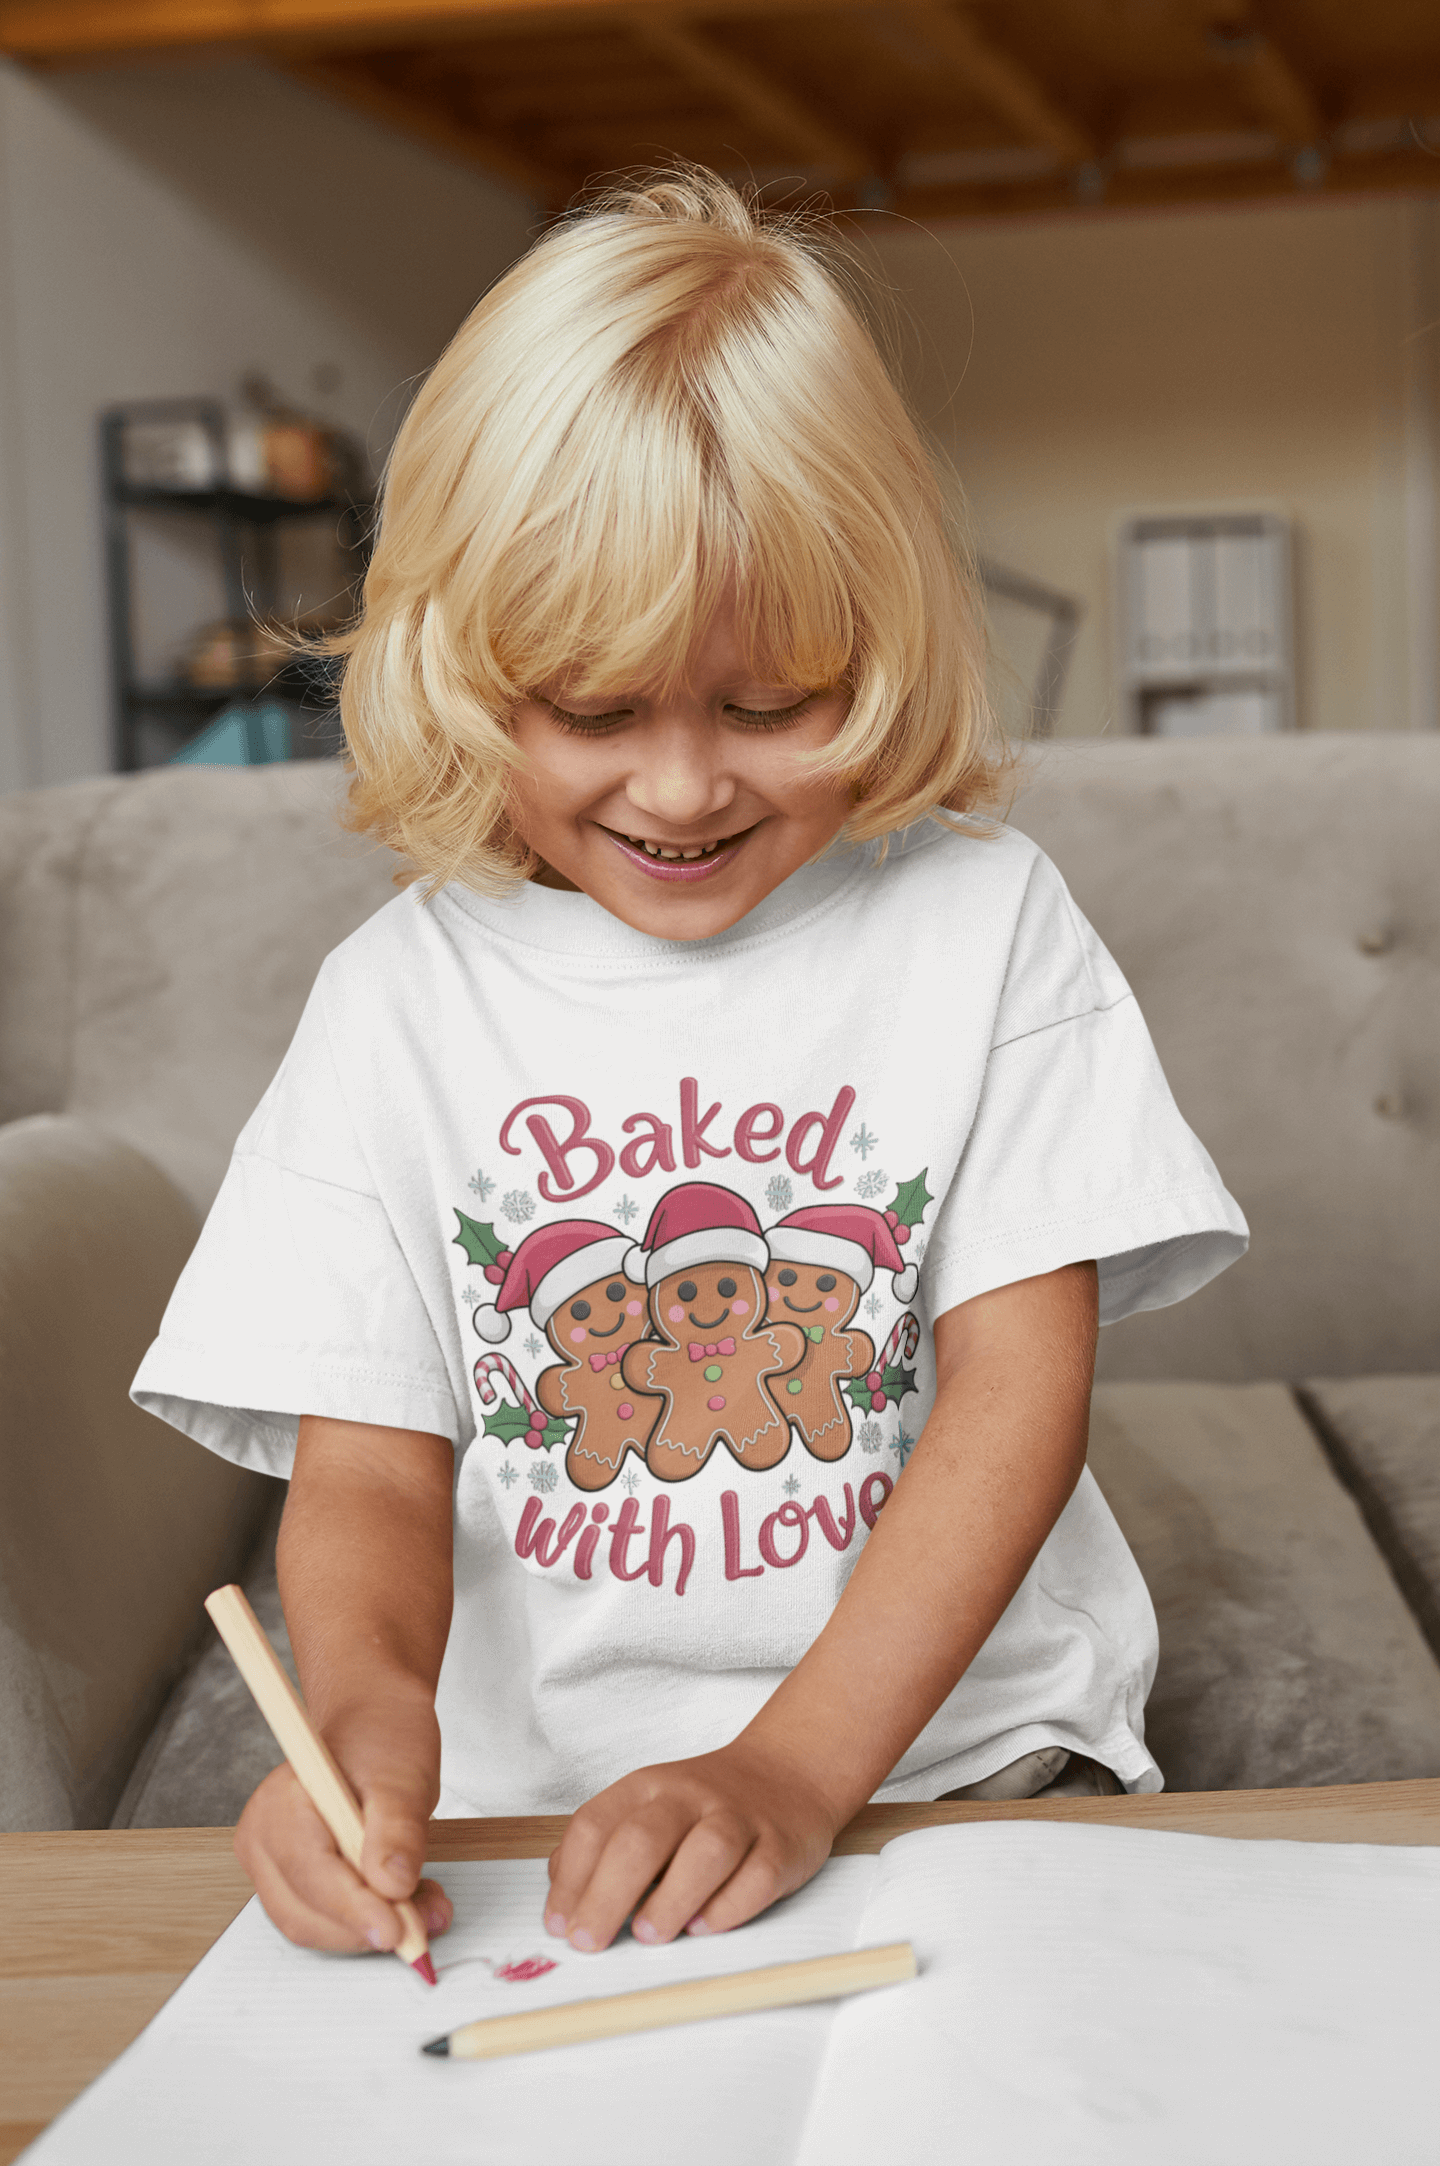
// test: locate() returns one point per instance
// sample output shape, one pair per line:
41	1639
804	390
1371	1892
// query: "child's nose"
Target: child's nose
678	777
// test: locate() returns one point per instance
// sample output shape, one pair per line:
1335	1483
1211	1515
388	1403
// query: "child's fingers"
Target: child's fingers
711	1854
393	1851
575	1860
437	1912
758	1882
637	1851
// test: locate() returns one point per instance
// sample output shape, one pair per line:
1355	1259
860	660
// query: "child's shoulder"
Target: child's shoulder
966	851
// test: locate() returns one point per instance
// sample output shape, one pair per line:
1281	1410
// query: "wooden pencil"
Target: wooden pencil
779	1985
311	1760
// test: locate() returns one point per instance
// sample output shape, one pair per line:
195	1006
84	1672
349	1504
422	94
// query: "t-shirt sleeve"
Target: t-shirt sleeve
1077	1148
299	1297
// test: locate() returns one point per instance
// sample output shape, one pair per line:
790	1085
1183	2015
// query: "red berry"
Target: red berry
902	1235
539	1422
494	1274
504	1259
891	1218
874	1380
877	1403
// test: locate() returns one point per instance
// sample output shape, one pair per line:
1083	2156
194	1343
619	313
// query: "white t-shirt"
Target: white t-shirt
635	1224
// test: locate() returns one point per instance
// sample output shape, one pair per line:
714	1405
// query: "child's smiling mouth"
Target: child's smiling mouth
677	861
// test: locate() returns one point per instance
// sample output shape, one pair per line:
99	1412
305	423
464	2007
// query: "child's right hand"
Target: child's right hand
308	1889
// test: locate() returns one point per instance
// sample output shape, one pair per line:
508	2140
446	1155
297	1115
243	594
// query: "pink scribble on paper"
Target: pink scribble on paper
524	1968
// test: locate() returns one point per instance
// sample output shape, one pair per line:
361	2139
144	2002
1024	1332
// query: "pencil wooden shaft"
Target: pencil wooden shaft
780	1985
310	1758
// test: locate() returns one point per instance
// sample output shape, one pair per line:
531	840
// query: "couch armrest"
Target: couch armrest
112	1526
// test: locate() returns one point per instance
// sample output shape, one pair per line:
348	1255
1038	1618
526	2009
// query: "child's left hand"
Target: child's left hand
730	1832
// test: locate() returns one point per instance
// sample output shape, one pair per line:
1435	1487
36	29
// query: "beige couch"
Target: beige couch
1276	905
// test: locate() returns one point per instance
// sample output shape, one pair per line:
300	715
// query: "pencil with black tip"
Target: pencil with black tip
311	1760
778	1985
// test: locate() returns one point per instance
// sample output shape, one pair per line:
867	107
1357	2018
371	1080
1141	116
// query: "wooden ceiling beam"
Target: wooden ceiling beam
1271	87
984	70
61	31
752	95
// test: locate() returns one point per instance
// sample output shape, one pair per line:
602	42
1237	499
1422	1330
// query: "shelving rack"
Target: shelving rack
245	524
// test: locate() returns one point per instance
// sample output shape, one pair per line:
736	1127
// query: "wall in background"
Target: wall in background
164	228
1284	355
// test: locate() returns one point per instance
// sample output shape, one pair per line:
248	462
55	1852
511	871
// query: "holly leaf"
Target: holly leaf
481	1244
911	1198
894	1383
511	1423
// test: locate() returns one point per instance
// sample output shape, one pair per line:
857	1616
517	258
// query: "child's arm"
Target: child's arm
365	1575
735	1829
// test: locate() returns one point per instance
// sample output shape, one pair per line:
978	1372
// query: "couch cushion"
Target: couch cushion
1383	1436
112	1527
1275	903
212	1745
1287	1654
42	842
208	899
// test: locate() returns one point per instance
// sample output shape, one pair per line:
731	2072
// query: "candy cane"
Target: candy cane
486	1367
909	1330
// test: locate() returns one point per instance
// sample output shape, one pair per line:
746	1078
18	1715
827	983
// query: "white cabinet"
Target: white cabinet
1205	624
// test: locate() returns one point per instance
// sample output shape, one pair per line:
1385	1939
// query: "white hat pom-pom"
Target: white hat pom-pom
635	1265
493	1325
906	1282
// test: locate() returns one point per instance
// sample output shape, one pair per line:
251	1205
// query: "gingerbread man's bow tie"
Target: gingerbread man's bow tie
716	1346
607	1360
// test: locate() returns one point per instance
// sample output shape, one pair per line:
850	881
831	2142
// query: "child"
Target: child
667	1262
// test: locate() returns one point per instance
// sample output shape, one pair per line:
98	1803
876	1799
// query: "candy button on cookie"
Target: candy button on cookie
624	1412
715	1405
714	1373
794	1385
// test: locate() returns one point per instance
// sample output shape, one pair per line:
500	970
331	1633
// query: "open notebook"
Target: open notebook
1086	1994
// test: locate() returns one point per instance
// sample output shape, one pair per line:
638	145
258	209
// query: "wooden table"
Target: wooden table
97	1930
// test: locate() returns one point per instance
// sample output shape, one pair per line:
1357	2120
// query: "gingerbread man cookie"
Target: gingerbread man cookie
712	1356
822	1303
591	1334
823	1257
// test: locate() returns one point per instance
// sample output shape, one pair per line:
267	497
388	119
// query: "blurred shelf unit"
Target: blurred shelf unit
1206	624
239	483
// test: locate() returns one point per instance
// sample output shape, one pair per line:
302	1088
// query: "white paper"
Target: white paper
271	2055
1107	1997
1100	1996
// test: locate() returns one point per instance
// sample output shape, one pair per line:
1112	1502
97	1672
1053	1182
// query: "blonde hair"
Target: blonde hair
670	399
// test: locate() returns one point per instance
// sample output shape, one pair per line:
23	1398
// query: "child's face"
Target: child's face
718	761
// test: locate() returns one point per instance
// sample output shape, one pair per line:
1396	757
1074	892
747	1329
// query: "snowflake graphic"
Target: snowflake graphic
917	1253
625	1210
534	1346
507	1472
873	1306
871	1184
904	1444
863	1142
790	1486
518	1205
780	1194
477	1296
544	1477
482	1184
872	1437
631	1482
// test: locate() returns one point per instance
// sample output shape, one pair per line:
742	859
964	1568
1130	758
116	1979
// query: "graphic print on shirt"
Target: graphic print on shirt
570	1276
713	1350
823	1258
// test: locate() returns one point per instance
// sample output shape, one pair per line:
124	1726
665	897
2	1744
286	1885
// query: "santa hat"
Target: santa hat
846	1237
697	1223
550	1265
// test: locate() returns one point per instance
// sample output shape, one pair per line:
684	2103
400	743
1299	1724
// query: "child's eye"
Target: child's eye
587	725
769	718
